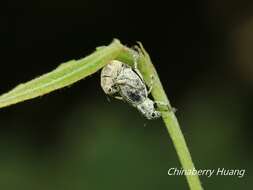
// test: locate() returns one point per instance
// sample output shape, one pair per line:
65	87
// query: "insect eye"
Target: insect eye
153	114
109	90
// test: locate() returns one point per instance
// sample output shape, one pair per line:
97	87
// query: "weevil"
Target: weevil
122	82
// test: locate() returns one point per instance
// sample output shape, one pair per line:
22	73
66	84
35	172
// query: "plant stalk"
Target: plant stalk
75	70
148	71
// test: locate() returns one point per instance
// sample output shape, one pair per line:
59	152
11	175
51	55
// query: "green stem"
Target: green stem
75	70
147	69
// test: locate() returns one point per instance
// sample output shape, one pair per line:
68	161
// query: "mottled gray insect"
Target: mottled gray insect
122	82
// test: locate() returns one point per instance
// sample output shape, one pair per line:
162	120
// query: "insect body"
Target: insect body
122	82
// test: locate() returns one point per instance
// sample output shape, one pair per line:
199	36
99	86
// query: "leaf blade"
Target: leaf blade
64	75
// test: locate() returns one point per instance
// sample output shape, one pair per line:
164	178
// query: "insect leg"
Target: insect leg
136	58
167	106
151	84
118	97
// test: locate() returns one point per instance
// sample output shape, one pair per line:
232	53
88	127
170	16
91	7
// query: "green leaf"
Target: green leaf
64	75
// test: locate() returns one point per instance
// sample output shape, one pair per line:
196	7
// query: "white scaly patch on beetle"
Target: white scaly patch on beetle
122	82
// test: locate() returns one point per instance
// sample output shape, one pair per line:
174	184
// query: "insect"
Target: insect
122	82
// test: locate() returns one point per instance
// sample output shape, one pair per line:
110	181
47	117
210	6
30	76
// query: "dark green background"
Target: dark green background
76	139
